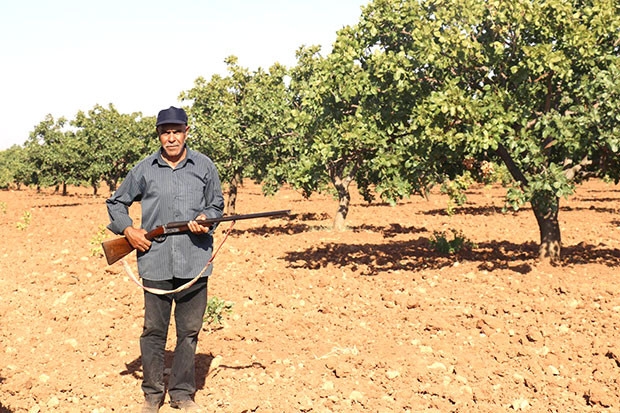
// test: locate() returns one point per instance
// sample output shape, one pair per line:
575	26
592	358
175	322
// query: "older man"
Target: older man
173	184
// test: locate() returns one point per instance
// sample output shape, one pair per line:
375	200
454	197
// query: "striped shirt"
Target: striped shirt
167	195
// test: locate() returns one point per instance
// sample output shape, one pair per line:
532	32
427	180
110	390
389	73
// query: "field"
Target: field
370	319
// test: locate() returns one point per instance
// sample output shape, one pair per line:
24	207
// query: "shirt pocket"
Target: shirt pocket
190	197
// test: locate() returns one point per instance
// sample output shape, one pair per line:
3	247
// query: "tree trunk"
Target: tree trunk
64	189
344	200
111	186
546	212
233	188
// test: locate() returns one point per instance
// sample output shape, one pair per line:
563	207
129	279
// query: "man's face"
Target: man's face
172	138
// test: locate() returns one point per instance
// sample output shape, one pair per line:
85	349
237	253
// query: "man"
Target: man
173	184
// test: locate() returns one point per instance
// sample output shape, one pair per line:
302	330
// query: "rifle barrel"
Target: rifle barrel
238	217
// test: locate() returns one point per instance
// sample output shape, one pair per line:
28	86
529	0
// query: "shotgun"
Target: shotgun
115	249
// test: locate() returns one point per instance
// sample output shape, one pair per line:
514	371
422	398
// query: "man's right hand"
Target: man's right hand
136	238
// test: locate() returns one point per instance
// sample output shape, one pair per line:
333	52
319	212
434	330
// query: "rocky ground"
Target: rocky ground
370	319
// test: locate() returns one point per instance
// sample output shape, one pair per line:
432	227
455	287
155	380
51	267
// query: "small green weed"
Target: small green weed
26	218
3	207
440	242
96	240
216	309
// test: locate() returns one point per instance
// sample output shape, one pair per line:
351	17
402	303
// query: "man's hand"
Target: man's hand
196	228
136	238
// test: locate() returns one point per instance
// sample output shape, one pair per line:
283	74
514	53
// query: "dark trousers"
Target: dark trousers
189	310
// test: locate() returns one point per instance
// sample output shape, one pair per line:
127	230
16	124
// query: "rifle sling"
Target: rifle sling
185	286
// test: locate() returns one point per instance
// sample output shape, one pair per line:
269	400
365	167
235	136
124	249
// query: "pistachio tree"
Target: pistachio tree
332	138
238	120
530	83
347	127
324	125
113	143
53	155
12	166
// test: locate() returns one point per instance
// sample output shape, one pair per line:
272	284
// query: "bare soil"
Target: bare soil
369	319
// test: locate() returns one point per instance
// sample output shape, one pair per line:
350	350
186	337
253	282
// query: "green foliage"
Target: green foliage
495	173
216	310
96	249
113	143
455	189
531	84
25	222
441	243
102	144
469	76
239	121
515	198
53	155
12	163
3	207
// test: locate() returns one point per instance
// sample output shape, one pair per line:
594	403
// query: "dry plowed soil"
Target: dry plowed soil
371	319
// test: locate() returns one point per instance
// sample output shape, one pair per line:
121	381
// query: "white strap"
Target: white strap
159	291
185	286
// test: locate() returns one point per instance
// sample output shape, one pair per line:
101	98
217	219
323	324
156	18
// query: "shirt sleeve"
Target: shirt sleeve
213	194
118	204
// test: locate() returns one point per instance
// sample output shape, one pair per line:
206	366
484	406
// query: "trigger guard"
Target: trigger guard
159	238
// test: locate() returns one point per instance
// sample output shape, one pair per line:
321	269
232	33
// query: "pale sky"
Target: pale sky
59	57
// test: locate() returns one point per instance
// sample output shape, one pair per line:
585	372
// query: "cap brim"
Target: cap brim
171	122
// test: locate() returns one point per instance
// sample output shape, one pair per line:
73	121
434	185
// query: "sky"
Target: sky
60	57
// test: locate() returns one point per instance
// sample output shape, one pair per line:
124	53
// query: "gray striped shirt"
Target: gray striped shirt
168	195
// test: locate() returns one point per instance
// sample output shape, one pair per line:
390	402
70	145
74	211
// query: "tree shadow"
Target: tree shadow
293	228
266	231
600	210
610	188
584	253
606	199
69	202
417	254
493	210
311	216
389	231
65	205
471	210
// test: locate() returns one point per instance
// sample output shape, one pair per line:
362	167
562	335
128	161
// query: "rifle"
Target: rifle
115	249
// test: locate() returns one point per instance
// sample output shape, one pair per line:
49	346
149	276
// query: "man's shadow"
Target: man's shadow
203	365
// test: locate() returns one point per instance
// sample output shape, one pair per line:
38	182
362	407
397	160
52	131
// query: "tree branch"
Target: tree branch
511	165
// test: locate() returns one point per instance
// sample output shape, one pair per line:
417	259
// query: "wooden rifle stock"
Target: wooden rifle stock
115	249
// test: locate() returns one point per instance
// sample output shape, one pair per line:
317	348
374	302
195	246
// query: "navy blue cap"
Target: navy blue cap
171	115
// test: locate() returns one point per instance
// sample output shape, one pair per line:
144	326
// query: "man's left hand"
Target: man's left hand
196	228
